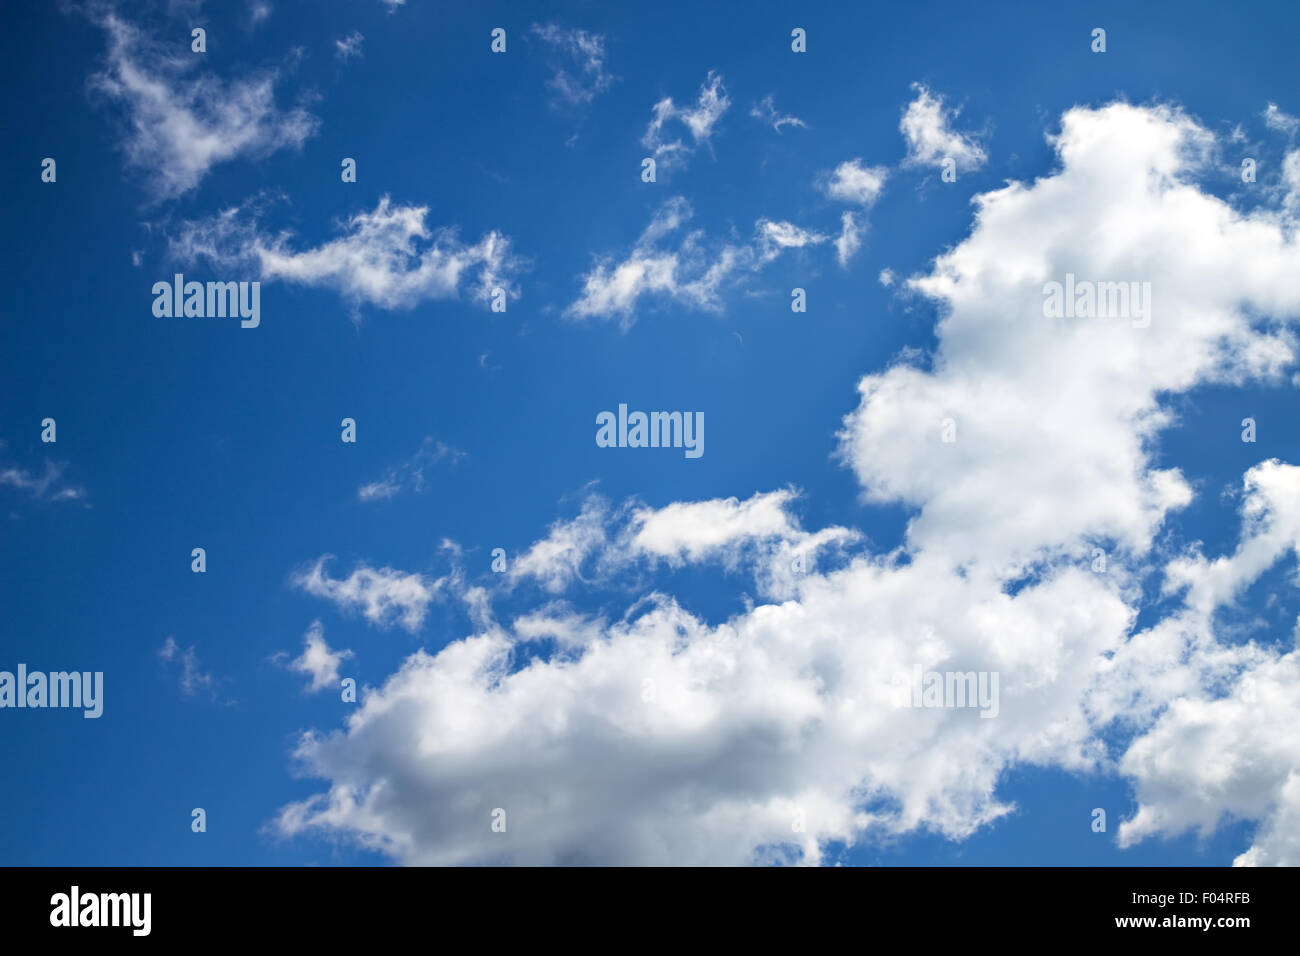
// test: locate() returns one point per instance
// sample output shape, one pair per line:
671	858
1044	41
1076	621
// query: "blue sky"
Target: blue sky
1165	705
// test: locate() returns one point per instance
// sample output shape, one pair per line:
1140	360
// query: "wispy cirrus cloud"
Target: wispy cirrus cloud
348	47
409	474
577	62
389	257
699	121
694	273
384	597
45	485
766	112
192	677
259	11
1279	121
849	241
181	121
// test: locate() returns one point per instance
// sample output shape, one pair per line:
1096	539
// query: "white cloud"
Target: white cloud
584	77
1011	379
1290	185
380	490
602	541
556	561
385	597
349	46
317	661
659	738
558	622
193	678
758	534
785	235
694	274
688	532
388	258
852	182
1211	755
409	473
699	122
1272	520
927	127
850	238
1232	756
656	736
1282	122
181	122
766	112
46	486
784	709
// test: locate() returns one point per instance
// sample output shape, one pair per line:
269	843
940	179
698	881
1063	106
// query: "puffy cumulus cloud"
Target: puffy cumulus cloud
684	532
927	127
699	121
1181	663
694	274
602	541
1054	419
659	738
180	122
384	596
1216	717
578	63
758	533
1231	756
775	236
390	258
317	660
650	734
853	182
1271	521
